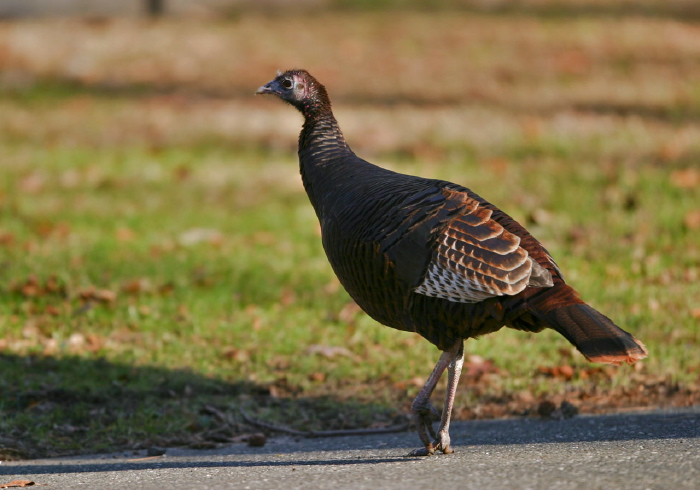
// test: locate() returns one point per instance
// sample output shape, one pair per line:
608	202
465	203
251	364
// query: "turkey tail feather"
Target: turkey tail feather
594	334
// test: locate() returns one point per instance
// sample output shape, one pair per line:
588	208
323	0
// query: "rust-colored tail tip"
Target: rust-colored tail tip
630	357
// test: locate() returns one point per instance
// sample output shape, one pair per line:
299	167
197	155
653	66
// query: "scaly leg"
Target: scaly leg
423	410
454	371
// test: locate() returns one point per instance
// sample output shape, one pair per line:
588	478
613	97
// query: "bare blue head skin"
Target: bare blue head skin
300	89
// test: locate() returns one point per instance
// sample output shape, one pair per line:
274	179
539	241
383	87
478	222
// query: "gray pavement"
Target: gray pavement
650	450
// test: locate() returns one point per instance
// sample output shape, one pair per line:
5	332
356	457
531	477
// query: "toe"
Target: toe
447	450
442	443
423	451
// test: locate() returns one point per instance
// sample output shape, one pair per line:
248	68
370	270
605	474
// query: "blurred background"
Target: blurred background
160	264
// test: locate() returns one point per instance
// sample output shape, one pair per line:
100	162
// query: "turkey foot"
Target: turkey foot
423	417
423	410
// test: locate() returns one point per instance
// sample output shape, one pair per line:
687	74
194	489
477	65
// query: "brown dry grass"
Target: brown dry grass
574	79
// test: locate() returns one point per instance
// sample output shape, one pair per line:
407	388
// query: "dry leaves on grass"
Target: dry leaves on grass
99	295
567	372
476	367
564	371
33	287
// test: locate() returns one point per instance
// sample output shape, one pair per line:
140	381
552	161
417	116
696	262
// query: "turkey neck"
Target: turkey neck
321	135
324	156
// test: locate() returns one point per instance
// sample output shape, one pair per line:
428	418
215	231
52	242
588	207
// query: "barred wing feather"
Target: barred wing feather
476	258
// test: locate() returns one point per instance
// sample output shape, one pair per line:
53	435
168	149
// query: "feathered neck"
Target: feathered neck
320	127
321	130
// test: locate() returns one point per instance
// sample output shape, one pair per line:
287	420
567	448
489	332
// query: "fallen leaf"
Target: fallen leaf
105	295
137	286
415	381
182	173
6	238
194	236
564	371
566	352
287	297
202	445
146	458
332	287
546	408
565	411
498	165
76	341
257	440
348	312
525	396
330	351
32	183
318	377
670	151
572	62
102	295
238	355
155	451
476	366
31	287
54	286
94	342
125	234
18	483
539	216
239	438
686	178
52	310
692	219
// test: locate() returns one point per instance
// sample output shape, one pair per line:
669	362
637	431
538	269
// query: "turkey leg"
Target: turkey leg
423	411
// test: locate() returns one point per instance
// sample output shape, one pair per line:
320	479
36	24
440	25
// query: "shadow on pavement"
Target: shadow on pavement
675	424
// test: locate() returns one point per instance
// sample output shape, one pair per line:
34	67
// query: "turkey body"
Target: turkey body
432	257
381	265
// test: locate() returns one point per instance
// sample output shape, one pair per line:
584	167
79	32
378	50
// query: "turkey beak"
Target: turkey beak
265	89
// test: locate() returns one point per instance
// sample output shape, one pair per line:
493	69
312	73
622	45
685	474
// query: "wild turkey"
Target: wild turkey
432	257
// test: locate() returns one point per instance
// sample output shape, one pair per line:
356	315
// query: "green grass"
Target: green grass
160	264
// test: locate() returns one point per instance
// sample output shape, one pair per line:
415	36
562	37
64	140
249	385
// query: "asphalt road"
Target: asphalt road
652	450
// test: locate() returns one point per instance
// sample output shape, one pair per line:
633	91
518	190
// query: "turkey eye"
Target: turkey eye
287	83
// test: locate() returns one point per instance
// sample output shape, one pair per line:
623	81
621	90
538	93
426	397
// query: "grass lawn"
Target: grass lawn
161	267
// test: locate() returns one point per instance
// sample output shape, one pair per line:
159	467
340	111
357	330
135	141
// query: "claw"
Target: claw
428	450
443	444
431	449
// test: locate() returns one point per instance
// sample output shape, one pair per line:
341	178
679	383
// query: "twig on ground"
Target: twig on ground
323	433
